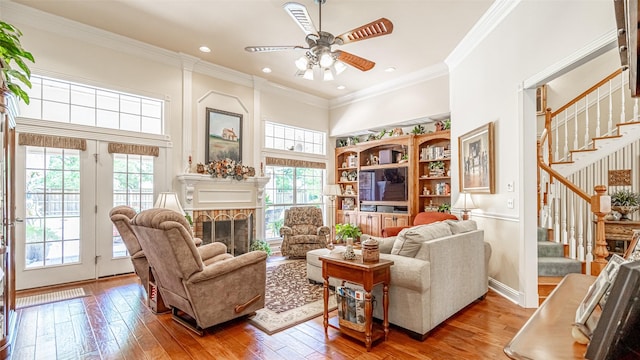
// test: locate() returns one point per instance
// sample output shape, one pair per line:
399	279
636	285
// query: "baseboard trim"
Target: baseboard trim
506	292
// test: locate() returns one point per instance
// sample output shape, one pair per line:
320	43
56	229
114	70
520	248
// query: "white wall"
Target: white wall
486	86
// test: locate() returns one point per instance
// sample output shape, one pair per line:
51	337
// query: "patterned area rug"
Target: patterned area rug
290	299
26	301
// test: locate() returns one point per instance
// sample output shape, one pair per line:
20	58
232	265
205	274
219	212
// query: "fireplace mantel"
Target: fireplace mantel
203	192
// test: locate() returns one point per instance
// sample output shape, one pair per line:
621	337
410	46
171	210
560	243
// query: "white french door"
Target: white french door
64	198
55	199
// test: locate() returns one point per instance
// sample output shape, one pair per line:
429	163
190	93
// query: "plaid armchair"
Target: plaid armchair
303	230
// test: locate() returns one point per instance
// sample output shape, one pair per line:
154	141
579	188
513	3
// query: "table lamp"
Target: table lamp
169	200
465	203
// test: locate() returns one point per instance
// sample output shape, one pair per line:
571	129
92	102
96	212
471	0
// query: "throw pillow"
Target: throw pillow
462	226
409	240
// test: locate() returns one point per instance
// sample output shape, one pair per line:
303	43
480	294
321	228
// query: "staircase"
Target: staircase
594	133
552	264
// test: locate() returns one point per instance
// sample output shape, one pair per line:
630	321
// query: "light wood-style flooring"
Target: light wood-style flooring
114	323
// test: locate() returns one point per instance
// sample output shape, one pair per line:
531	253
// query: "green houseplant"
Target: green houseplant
444	208
11	55
261	245
625	202
345	231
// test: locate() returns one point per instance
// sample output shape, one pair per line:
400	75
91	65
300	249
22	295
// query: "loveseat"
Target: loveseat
438	269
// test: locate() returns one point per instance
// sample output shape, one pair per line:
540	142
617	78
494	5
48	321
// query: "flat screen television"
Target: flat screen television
383	185
617	334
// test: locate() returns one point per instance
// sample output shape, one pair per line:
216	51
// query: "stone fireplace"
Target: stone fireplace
225	210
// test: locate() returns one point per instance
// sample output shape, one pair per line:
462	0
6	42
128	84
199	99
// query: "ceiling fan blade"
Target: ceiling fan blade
373	29
357	62
300	15
271	48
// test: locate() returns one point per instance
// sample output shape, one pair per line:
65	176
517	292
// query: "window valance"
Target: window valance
61	142
133	149
294	163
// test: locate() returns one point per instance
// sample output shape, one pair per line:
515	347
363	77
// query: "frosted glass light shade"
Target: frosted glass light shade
169	200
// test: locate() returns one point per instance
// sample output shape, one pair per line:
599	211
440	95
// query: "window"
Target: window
284	137
287	187
132	186
67	102
52	204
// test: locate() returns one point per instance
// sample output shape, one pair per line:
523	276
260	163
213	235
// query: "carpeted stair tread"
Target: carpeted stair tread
550	249
543	234
558	266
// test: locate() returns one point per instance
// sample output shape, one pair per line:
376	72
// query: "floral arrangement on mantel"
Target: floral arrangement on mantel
229	168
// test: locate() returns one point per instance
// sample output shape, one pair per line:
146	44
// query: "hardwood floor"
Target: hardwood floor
114	323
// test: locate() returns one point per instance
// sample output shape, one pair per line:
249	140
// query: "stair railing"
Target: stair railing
597	205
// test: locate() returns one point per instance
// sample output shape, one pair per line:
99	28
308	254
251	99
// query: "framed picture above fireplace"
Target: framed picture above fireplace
224	136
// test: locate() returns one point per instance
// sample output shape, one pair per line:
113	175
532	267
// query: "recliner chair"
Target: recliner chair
121	217
204	286
303	230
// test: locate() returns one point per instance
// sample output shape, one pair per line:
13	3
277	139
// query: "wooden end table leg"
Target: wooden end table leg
368	323
325	314
385	306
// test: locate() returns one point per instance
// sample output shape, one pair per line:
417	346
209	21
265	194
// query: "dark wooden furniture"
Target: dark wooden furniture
547	334
368	275
8	316
621	231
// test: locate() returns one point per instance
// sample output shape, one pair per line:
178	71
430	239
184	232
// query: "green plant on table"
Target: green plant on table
444	208
625	198
345	231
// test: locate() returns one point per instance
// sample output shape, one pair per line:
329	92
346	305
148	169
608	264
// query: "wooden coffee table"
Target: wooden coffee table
368	275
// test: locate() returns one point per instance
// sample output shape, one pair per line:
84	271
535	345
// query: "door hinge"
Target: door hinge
95	157
96	260
95	210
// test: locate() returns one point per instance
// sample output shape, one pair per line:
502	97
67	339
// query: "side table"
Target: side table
367	275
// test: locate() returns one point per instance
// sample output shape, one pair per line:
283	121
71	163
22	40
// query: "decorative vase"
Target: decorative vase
349	254
624	211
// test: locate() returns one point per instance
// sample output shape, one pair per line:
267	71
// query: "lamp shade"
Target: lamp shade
169	200
332	190
464	202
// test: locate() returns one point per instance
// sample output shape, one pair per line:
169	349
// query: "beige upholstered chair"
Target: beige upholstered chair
303	230
203	286
121	217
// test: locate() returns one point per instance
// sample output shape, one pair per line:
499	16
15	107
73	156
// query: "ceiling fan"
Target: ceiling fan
319	43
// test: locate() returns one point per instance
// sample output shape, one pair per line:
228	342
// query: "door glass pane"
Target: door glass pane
132	186
52	202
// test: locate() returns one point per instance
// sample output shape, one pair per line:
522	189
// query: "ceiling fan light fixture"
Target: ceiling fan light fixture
308	74
340	67
326	59
327	74
302	63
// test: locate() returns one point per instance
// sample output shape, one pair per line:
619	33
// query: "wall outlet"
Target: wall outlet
510	186
510	203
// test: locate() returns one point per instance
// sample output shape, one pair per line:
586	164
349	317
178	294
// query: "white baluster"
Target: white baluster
566	136
610	123
598	113
586	121
622	97
556	215
563	218
635	109
572	232
575	121
581	231
556	142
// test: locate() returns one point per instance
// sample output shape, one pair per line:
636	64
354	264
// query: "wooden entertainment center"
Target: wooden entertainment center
387	182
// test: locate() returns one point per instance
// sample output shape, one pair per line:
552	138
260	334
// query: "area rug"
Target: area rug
290	299
40	299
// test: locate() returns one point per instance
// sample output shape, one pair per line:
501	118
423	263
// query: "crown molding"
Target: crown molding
494	16
587	53
417	77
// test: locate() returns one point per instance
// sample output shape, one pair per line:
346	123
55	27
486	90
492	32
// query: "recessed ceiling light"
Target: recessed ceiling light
390	69
266	70
205	49
341	87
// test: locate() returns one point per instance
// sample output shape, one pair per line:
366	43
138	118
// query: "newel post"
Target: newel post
600	206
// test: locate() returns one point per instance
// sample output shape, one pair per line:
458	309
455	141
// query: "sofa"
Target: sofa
439	269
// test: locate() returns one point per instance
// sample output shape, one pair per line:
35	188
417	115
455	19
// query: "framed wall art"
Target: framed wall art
541	99
476	160
224	136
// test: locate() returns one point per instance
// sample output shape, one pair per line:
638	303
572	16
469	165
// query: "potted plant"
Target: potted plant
625	202
261	245
418	129
346	231
11	55
444	208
